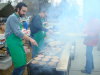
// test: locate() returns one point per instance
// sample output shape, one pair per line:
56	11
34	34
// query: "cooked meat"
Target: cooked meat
48	57
58	49
45	59
52	64
55	57
55	60
37	58
34	62
55	43
42	63
41	55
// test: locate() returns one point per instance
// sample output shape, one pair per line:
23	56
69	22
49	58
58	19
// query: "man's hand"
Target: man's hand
49	32
33	42
45	23
30	39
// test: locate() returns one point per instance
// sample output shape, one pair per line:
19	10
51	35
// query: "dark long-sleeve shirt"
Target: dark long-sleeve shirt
36	25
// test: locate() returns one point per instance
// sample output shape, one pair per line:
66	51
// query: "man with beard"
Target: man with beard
14	38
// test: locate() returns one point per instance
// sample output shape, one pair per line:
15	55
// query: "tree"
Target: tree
35	5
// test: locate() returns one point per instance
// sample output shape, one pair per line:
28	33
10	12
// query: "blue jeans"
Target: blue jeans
89	59
18	71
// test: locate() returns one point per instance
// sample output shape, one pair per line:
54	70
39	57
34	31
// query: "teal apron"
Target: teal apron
16	49
39	38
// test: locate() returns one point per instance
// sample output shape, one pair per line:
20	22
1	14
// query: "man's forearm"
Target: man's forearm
30	39
26	37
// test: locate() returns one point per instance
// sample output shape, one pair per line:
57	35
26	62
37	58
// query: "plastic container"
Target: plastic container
5	63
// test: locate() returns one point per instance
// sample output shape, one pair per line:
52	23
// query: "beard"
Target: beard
21	15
